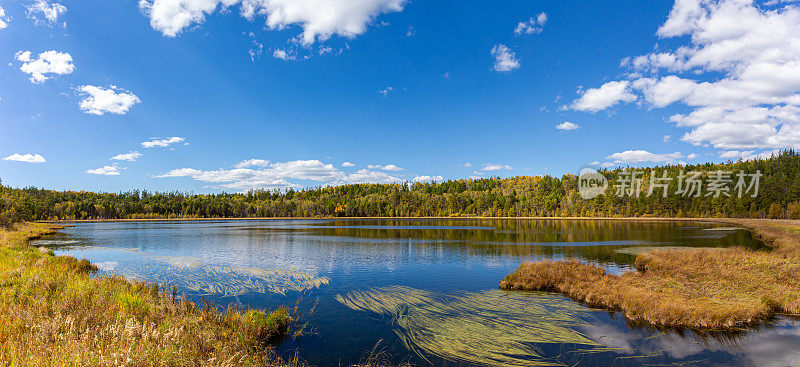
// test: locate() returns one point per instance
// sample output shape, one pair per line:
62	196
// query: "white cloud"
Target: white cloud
45	65
319	19
162	143
505	59
99	100
691	156
130	156
667	138
495	167
252	163
283	54
277	175
42	12
388	167
465	165
608	95
566	126
737	69
366	176
4	19
428	179
643	156
104	171
27	158
385	92
747	155
347	164
532	26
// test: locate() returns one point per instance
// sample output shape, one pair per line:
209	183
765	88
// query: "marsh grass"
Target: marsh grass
54	312
700	288
486	328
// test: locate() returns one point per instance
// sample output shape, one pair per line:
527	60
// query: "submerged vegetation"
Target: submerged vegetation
696	288
487	328
53	312
541	196
189	273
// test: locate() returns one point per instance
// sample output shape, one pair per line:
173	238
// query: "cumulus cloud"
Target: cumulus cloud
428	179
104	171
130	156
366	176
26	158
43	12
567	126
252	163
99	100
319	19
347	164
162	143
4	19
608	95
747	155
505	60
643	156
737	70
388	167
495	167
45	65
465	165
532	26
277	175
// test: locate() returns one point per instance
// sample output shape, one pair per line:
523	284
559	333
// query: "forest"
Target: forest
778	196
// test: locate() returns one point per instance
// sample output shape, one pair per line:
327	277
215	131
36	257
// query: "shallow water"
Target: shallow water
425	289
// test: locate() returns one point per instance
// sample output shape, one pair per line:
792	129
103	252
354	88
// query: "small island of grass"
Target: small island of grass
699	289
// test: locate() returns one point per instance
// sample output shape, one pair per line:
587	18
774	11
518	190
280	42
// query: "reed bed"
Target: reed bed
698	288
490	328
53	312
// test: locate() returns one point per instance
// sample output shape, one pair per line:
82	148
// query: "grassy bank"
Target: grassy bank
53	312
695	288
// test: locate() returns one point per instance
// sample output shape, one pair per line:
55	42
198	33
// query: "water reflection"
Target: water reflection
272	263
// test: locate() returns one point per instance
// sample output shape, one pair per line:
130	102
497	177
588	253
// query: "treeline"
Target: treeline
540	196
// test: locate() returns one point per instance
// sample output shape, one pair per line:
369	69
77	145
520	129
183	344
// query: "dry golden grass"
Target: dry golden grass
709	289
53	312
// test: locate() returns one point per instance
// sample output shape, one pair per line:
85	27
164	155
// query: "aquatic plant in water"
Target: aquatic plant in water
227	281
486	328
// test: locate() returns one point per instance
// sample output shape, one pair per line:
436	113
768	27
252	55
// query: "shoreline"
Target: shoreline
49	304
639	219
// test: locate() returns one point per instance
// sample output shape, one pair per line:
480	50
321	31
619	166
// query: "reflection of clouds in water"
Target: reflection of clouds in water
768	347
191	273
37	243
224	280
107	266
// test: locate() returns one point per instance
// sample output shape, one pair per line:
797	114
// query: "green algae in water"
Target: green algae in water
488	328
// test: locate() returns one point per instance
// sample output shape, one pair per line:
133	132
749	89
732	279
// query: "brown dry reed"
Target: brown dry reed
696	288
53	312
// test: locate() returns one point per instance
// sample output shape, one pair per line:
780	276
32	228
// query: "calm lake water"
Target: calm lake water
426	290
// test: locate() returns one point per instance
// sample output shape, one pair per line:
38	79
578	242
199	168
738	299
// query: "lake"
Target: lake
425	291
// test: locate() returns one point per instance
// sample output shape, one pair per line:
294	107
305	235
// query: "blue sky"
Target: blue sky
401	90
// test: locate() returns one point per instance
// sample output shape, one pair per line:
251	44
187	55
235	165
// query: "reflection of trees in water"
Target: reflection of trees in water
590	239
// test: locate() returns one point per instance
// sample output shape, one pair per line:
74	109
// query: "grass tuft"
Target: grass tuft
54	312
700	288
